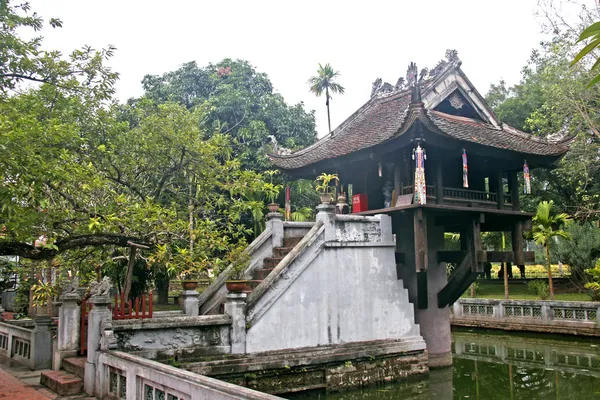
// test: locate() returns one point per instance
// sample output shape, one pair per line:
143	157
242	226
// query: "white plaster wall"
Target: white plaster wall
347	294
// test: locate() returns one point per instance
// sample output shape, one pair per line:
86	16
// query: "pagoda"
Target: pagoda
430	153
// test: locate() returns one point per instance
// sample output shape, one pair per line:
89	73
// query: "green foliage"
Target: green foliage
324	81
594	285
539	288
43	293
240	102
323	183
582	251
592	33
239	260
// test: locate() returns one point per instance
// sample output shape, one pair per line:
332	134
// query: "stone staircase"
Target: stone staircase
269	263
69	380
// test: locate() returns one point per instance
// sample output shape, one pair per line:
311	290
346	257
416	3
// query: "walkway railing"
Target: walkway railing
463	195
32	347
124	375
530	315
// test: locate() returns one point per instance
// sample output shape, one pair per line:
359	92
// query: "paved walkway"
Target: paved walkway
18	382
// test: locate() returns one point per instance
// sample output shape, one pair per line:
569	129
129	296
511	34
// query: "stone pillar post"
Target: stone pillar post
236	309
41	343
190	303
69	320
96	317
275	223
325	213
1	303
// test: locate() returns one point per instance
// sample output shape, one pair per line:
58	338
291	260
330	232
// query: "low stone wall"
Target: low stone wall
334	368
564	317
174	337
32	347
122	375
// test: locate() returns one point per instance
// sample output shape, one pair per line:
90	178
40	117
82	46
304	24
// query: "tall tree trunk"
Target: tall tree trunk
191	216
129	276
549	268
327	102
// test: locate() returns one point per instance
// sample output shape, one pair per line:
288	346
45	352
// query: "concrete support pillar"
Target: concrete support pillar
325	213
69	320
275	223
434	322
96	317
41	343
236	309
190	303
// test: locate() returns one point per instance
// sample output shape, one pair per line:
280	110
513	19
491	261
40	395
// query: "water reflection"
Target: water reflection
490	366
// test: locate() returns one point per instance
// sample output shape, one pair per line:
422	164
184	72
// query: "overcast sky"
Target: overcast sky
363	40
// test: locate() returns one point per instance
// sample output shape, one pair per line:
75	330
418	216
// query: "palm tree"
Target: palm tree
545	227
324	82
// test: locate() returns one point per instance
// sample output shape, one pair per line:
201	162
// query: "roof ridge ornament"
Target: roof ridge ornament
413	82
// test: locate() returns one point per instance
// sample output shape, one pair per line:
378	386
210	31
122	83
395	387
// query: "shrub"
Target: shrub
594	286
580	253
539	288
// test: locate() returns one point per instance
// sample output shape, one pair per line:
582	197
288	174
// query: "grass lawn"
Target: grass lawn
519	291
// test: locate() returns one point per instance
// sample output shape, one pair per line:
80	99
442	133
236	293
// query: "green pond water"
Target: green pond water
492	366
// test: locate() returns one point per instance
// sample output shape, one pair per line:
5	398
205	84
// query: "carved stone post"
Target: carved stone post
325	213
275	223
41	343
97	318
69	320
236	309
190	303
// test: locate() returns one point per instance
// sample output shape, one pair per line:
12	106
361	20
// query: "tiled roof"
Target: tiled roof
382	117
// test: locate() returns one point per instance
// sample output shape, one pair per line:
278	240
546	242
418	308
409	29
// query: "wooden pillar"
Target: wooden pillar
472	242
513	184
420	227
439	182
499	190
397	179
517	243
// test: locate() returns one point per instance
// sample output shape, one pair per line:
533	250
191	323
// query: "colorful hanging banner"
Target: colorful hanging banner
465	169
288	203
420	188
526	178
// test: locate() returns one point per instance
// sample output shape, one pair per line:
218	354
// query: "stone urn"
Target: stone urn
325	198
189	285
238	286
273	207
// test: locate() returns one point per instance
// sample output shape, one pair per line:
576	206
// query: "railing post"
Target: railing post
236	309
190	303
325	214
96	317
546	313
275	223
499	310
40	352
457	308
69	320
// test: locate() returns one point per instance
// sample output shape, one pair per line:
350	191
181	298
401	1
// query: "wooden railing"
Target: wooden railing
463	195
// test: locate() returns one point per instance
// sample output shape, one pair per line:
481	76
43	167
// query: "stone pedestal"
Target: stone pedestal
236	309
69	329
190	303
275	223
96	316
41	343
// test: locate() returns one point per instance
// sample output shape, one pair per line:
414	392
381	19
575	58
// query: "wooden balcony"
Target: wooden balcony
464	197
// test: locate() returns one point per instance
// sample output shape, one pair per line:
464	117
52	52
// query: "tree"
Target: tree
240	102
592	32
546	227
324	82
581	252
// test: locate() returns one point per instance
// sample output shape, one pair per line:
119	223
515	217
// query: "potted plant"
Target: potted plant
271	192
323	186
236	281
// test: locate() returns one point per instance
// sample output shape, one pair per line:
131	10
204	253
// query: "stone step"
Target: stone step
61	382
262	273
281	251
75	366
271	262
291	241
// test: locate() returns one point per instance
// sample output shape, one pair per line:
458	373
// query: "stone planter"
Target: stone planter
238	286
325	198
189	285
273	207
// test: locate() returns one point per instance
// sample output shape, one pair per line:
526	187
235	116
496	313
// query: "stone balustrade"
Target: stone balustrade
123	375
528	315
32	347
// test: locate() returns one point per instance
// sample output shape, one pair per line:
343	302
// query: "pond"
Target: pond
493	366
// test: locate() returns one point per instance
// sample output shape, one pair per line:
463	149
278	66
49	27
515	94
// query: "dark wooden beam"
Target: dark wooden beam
439	182
504	256
499	191
400	258
513	184
517	242
451	256
420	229
462	278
